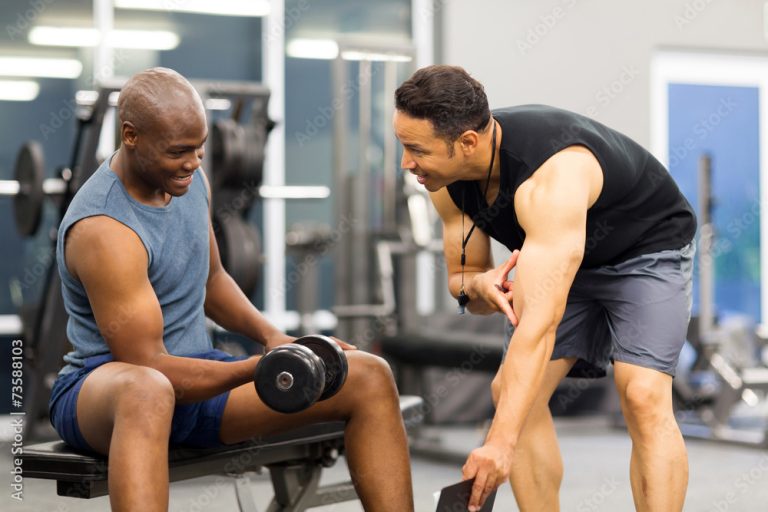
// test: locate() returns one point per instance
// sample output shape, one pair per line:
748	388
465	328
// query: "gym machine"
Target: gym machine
722	380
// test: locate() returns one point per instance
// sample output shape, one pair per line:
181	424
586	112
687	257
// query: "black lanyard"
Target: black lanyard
463	298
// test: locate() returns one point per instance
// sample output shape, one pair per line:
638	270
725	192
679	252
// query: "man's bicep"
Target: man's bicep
113	271
552	252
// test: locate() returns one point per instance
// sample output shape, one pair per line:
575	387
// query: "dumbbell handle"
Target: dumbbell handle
51	187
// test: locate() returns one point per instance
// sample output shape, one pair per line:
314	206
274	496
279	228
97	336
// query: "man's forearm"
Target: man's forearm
476	305
522	374
228	306
199	379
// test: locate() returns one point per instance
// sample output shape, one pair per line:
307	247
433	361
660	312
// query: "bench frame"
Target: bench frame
295	461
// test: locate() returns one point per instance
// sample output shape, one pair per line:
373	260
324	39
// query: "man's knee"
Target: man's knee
143	390
645	402
370	374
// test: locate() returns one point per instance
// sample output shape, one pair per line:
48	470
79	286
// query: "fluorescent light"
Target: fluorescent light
218	104
88	37
377	56
218	7
294	191
60	36
312	49
143	39
39	67
18	90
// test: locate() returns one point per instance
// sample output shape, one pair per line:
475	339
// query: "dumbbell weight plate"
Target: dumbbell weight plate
332	355
28	203
289	378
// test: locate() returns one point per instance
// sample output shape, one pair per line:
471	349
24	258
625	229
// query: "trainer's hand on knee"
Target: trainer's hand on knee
343	344
489	465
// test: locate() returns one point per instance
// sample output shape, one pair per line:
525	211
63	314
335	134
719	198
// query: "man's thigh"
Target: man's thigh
647	302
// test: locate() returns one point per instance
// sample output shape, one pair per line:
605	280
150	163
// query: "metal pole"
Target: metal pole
273	56
344	218
389	212
706	255
362	283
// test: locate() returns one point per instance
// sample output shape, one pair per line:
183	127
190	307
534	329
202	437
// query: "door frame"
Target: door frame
723	69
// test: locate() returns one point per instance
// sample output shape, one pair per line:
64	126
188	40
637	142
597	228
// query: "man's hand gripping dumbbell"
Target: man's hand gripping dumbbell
292	377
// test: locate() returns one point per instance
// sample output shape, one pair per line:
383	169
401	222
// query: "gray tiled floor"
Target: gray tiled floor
722	478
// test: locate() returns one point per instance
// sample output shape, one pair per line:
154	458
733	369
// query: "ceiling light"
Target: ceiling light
40	67
312	49
18	90
217	7
80	37
377	56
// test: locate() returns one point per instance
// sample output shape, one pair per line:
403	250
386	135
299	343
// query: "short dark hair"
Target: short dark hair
448	97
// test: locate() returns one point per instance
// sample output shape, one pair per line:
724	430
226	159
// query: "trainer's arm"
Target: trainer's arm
486	287
548	261
552	208
111	262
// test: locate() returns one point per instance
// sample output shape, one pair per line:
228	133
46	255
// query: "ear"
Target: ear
468	142
128	134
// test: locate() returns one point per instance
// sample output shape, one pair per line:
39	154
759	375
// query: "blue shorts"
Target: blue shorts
196	424
635	312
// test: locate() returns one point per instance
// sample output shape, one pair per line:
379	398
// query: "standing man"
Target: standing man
602	240
140	270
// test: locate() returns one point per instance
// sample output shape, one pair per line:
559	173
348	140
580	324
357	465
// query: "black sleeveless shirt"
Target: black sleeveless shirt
639	211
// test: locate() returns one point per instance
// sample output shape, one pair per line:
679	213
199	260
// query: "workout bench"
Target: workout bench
295	461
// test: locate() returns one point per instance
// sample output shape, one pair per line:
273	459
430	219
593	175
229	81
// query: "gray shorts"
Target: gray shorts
636	312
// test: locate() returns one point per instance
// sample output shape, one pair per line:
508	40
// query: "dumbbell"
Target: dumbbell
292	377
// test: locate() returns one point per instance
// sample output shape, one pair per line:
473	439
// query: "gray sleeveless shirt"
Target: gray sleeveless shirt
176	239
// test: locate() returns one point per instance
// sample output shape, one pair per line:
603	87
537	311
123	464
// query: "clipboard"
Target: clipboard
455	498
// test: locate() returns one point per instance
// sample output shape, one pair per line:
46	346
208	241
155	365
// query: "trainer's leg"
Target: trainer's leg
375	441
659	465
125	411
537	466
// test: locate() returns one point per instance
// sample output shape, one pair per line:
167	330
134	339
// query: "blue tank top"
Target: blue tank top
176	239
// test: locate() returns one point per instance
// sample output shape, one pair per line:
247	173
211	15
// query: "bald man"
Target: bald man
141	271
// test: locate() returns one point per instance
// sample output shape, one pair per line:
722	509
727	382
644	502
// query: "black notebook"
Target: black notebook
455	498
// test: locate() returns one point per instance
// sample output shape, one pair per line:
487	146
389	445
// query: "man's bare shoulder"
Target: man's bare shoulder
444	205
99	244
573	170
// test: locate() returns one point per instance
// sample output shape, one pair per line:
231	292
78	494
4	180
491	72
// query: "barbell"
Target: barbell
29	188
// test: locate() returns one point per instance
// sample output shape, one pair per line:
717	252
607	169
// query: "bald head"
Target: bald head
151	98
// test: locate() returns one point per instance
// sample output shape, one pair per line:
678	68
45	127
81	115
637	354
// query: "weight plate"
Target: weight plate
334	359
240	251
28	203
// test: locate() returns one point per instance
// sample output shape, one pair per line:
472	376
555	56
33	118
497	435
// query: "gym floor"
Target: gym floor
722	477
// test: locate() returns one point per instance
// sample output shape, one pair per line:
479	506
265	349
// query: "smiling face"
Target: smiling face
435	162
170	150
163	129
